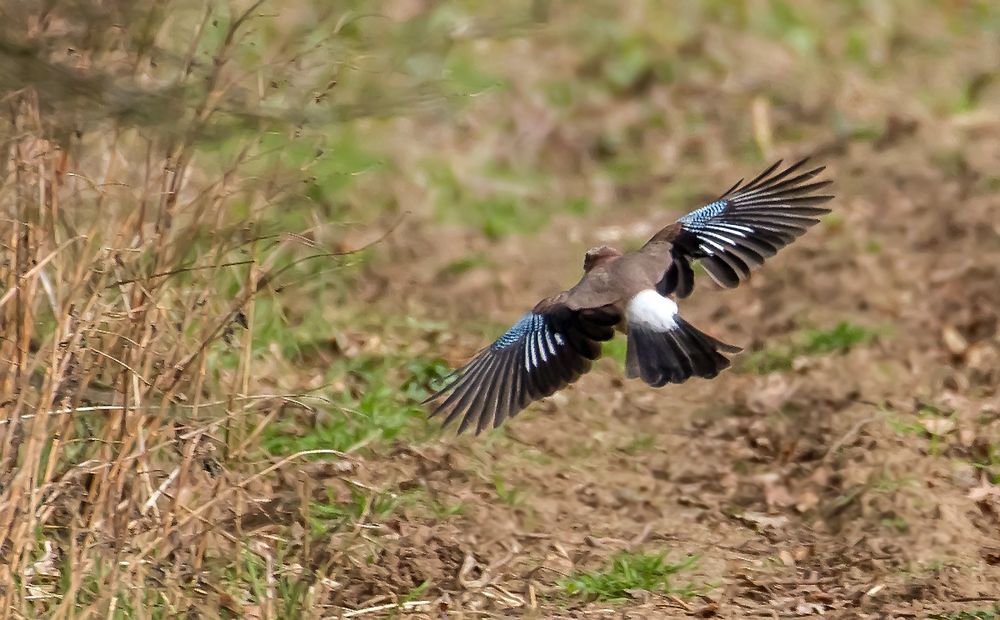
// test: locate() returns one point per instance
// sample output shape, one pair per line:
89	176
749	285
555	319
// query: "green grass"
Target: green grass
986	458
497	202
840	339
896	523
469	262
631	571
330	515
641	442
989	462
256	582
992	613
373	407
324	516
811	342
905	426
508	495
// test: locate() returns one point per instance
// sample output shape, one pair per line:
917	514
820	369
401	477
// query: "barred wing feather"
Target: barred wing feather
540	354
745	226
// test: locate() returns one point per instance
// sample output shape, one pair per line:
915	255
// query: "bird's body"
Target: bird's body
554	344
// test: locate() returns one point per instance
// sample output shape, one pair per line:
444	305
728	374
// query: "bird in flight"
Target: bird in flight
554	344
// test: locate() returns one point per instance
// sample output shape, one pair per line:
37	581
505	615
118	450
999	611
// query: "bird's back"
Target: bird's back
617	280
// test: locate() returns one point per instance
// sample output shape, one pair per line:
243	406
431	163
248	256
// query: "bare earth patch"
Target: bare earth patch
857	483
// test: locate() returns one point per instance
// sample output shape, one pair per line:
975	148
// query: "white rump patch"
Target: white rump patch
653	311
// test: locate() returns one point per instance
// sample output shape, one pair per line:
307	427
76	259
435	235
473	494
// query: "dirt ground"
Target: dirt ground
854	479
845	486
825	489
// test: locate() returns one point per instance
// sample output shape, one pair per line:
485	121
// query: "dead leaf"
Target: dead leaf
801	553
807	501
776	494
809	609
46	565
966	437
253	612
983	491
953	340
991	555
770	394
872	591
763	521
937	426
982	357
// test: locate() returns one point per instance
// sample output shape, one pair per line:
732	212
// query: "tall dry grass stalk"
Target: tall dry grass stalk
128	263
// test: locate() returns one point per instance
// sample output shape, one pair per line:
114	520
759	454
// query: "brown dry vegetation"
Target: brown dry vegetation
240	242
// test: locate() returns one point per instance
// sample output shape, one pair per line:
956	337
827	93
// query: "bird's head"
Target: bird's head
598	255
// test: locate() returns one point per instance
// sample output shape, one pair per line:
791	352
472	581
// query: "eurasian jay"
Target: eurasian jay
554	344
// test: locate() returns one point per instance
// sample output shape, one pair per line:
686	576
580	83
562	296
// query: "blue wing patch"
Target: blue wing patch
539	354
699	216
540	340
528	323
752	221
713	231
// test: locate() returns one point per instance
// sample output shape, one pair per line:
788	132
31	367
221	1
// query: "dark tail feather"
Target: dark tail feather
676	355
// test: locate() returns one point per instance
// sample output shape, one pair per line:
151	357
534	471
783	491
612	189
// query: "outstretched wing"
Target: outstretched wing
743	227
545	351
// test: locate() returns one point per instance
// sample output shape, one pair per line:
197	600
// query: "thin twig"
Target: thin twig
174	272
239	486
847	437
372	610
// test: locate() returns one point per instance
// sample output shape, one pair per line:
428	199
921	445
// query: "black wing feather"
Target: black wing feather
745	226
541	354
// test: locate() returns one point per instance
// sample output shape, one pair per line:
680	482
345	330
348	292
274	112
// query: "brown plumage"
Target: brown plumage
555	343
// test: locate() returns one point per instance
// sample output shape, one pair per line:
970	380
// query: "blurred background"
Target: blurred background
240	241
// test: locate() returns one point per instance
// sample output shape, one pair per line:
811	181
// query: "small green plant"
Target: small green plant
511	497
905	426
416	592
642	442
766	361
440	510
989	462
464	264
257	580
375	409
992	613
327	515
631	571
811	342
840	339
896	523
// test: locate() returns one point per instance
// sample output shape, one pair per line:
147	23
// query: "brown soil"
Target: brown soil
806	492
856	484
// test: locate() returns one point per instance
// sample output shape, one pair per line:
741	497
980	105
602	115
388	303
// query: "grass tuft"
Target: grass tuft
811	342
628	572
841	339
375	407
992	613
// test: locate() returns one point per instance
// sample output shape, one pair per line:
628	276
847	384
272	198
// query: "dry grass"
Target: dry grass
204	410
139	233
